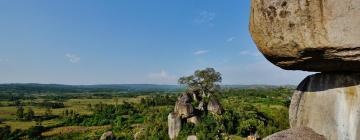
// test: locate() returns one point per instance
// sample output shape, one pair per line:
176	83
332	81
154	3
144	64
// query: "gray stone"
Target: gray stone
174	124
191	137
201	106
185	110
107	136
214	106
184	98
328	103
298	133
194	119
311	35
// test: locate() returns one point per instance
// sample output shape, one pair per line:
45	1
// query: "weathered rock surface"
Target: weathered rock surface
298	133
185	110
214	106
107	136
185	98
328	103
194	119
174	124
311	35
191	137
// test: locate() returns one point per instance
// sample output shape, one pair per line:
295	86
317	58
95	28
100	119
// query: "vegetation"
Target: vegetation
64	114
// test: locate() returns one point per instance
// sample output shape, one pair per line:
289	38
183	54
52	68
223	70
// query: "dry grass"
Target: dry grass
23	125
73	129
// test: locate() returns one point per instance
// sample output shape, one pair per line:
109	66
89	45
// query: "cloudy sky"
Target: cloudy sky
130	41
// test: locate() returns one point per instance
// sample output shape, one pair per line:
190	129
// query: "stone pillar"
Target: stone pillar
328	103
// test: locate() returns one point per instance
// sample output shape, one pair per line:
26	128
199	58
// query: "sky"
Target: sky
131	42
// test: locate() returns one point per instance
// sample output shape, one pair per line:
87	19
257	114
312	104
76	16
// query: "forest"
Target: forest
54	114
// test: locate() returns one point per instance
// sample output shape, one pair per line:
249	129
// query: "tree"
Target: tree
20	112
35	132
116	100
204	82
30	114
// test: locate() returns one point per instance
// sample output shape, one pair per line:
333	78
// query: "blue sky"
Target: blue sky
130	41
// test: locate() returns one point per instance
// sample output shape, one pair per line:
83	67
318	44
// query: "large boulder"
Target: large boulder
311	35
328	103
298	133
191	137
185	110
214	106
194	119
185	98
174	124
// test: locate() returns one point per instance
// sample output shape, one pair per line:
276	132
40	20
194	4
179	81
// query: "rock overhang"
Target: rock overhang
308	35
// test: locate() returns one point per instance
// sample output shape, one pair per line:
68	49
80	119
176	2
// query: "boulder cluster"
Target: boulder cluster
320	36
186	112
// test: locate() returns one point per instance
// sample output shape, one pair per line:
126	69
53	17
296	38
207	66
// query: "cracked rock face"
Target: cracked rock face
310	35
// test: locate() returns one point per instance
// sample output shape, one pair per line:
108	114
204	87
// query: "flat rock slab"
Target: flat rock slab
328	103
299	133
310	35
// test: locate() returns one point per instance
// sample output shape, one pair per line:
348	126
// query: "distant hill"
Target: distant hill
58	88
38	88
258	86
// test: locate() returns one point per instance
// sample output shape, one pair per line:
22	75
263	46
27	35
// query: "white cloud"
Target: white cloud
230	39
200	52
250	53
72	58
205	17
162	77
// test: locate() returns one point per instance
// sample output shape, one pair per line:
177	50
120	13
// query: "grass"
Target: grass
23	125
73	129
233	137
8	113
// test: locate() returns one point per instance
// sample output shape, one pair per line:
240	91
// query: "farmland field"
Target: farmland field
141	114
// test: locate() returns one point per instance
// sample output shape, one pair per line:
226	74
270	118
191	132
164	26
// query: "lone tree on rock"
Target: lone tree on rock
204	82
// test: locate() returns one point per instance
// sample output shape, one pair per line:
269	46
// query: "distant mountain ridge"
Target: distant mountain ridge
26	87
74	88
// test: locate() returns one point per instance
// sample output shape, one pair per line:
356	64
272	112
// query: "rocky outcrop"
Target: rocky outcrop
107	136
298	133
310	35
183	106
174	125
185	98
185	110
214	106
328	103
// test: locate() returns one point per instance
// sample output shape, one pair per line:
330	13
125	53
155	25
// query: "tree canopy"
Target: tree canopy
204	81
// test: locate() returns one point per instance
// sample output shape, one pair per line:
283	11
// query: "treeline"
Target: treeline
55	88
158	100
